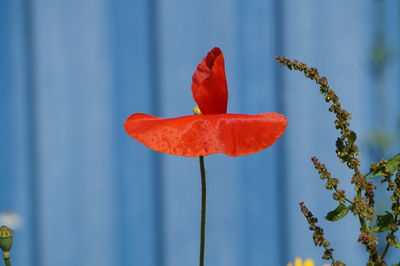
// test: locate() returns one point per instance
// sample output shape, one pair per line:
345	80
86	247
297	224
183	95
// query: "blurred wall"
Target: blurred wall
72	71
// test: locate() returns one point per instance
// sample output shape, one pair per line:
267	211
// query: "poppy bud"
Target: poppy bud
6	239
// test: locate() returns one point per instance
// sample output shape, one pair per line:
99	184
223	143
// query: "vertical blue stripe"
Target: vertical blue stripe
241	84
34	185
281	145
155	106
132	75
6	101
256	67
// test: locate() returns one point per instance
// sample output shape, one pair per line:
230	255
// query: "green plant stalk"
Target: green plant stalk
203	210
392	233
364	226
386	248
6	257
362	221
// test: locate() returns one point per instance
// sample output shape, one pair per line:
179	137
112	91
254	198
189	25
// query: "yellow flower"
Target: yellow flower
299	262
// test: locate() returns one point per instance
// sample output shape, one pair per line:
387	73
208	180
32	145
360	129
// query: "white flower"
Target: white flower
10	219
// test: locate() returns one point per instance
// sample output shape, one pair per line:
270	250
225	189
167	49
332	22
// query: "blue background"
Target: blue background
72	71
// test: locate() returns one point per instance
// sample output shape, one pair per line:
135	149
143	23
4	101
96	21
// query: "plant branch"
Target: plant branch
6	257
347	152
391	234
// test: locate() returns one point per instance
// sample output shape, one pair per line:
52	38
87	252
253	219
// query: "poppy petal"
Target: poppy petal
209	87
196	135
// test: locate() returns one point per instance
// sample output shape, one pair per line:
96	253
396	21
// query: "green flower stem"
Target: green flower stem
362	220
385	251
364	226
203	210
392	232
6	256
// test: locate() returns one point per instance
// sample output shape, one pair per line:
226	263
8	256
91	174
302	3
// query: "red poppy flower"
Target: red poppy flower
213	131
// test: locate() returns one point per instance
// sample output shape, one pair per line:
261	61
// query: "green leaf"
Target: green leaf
397	264
338	213
383	222
391	165
352	137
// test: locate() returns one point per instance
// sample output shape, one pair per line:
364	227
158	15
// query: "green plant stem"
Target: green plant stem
364	226
6	257
362	221
387	244
367	174
385	250
203	210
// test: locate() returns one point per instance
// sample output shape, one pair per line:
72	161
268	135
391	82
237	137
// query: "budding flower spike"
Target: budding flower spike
212	130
